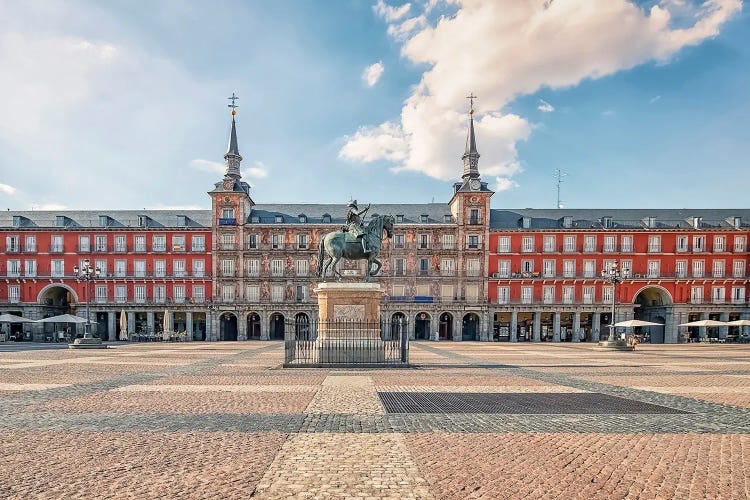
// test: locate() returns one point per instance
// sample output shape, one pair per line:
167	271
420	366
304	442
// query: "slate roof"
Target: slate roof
620	218
290	213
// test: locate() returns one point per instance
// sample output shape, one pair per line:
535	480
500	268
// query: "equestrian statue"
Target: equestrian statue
355	241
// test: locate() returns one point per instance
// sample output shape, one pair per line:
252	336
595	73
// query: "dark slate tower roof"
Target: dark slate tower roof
471	155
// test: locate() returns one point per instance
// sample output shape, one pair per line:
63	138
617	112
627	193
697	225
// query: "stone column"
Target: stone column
112	326
242	326
265	326
702	329
537	328
576	326
596	325
514	326
483	330
671	331
149	321
556	327
131	321
723	330
189	326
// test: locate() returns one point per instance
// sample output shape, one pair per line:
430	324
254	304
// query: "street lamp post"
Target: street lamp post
613	274
87	274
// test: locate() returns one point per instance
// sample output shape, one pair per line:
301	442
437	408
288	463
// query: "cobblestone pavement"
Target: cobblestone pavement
224	420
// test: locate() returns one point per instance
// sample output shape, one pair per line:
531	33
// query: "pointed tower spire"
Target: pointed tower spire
471	155
233	157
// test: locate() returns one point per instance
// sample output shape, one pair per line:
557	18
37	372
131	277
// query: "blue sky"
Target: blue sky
122	105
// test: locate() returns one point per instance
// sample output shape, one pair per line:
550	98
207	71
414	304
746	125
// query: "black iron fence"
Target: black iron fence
346	343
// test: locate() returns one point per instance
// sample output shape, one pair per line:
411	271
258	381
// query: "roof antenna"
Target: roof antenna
559	174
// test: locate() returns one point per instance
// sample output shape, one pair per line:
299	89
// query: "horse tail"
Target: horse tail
320	256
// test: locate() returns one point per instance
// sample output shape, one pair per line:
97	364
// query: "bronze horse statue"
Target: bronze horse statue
338	245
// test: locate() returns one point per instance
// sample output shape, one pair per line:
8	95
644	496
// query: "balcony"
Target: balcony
57	249
139	249
738	300
158	248
29	249
13	249
474	246
198	248
227	221
101	249
475	221
121	248
178	248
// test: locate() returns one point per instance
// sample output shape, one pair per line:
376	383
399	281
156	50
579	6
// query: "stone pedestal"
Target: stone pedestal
349	323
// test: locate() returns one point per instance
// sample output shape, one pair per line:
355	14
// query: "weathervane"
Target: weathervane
471	98
233	105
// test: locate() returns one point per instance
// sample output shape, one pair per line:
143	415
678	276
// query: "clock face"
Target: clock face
475	184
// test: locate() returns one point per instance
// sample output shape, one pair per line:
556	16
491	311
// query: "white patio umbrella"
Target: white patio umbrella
63	318
637	322
705	322
12	318
123	325
165	325
737	322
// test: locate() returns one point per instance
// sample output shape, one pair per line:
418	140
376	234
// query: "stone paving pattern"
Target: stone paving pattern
224	420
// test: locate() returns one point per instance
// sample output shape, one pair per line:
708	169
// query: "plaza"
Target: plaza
468	420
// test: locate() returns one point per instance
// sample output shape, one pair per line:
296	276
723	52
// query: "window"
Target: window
178	268
569	269
301	267
446	293
654	244
84	243
399	290
58	268
17	221
326	218
252	293
527	244
447	267
178	293
198	243
182	221
227	241
424	241
610	243
399	241
60	220
472	267
739	243
14	294
527	267
447	218
650	222
720	243
30	267
160	268
474	217
697	221
503	269
57	244
277	267
277	241
526	222
178	243
569	294
503	295
699	243
567	221
607	294
626	244
143	220
102	265
548	294
301	293
252	267
717	294
160	294
139	268
589	268
589	243
121	293
399	267
718	270
139	243
738	268
139	294
607	222
199	268
159	243
199	294
472	241
227	267
302	241
103	220
100	243
682	244
227	213
449	242
279	219
100	292
399	219
227	293
423	219
277	293
588	295
472	294
503	244
120	245
14	268
303	218
527	294
548	268
30	244
424	267
549	244
680	269
738	295
569	243
653	268
698	269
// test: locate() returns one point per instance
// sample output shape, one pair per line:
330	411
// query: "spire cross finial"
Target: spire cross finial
471	98
233	105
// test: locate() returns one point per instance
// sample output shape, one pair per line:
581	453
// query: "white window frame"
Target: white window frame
503	295
626	243
503	244
549	243
527	244
589	243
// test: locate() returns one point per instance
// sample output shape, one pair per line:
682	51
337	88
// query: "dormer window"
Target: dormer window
607	222
399	219
448	218
255	219
651	222
279	219
737	222
526	222
567	221
142	221
697	222
326	218
103	220
302	218
424	218
181	221
16	221
60	221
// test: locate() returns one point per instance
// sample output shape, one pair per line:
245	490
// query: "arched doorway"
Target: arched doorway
398	325
445	331
651	304
302	327
422	326
276	327
228	327
253	326
57	299
470	327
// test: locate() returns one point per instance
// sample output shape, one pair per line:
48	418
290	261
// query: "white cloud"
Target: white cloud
654	99
372	73
390	13
257	171
504	184
545	107
405	29
501	49
7	189
213	167
608	112
48	207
